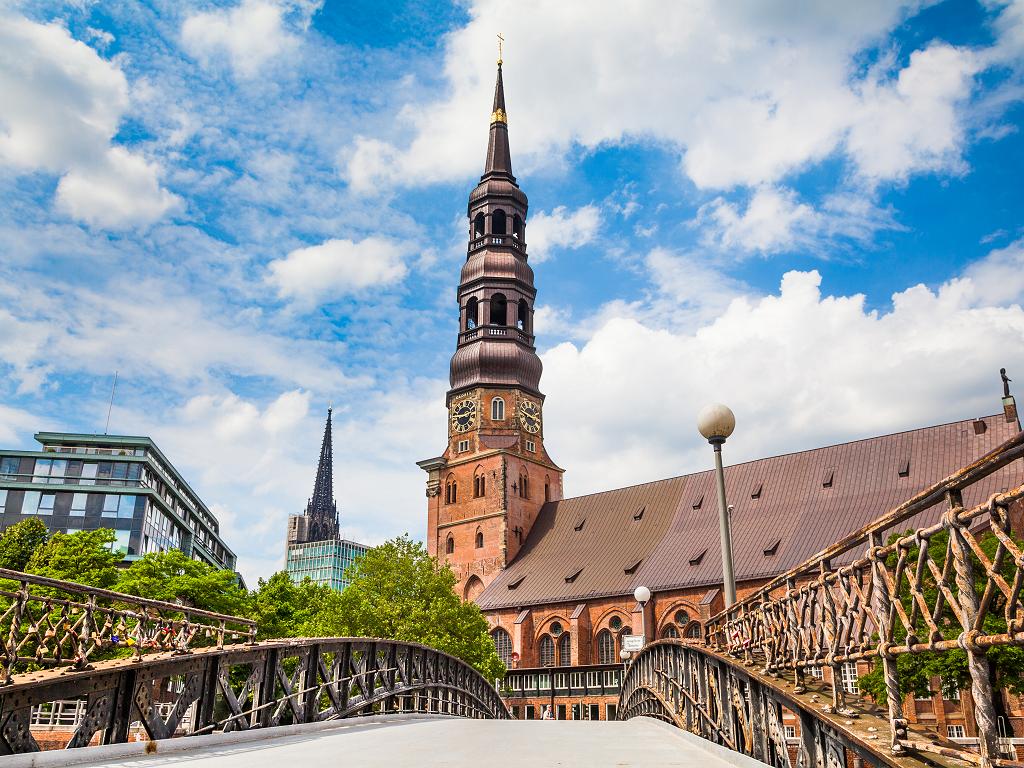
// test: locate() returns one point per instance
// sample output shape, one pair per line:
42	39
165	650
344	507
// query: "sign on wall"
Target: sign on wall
632	643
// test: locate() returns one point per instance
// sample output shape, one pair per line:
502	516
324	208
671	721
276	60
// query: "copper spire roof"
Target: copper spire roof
321	511
664	534
499	157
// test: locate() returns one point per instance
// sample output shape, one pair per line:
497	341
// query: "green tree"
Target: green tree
18	542
915	670
282	608
398	591
174	577
86	557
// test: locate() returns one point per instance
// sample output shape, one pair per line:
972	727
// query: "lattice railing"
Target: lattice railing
47	622
954	584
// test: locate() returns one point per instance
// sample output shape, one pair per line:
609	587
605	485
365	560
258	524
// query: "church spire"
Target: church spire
321	511
499	156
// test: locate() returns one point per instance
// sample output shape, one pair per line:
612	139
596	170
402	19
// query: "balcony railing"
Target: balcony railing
508	241
508	331
116	482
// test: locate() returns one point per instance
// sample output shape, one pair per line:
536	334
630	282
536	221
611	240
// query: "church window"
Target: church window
449	545
524	484
499	309
564	650
682	618
546	651
478	225
498	224
670	631
463	446
605	647
503	644
451	492
523	316
615	623
479	539
517	226
472	308
693	631
479	485
498	409
531	446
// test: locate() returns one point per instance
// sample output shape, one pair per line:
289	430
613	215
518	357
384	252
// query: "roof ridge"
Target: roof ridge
779	456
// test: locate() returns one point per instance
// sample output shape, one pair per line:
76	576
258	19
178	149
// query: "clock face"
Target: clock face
529	416
463	415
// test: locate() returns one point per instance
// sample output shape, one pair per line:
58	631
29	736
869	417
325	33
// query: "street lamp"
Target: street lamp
716	423
642	594
624	655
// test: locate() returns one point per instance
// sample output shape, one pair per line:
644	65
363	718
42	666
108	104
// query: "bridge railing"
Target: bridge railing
48	622
954	584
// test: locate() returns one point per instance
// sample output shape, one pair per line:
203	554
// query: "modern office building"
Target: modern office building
315	547
79	482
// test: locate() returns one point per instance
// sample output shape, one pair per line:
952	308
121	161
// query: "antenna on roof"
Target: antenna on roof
110	407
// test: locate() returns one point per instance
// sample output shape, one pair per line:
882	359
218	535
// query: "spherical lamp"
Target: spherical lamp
624	654
642	595
716	423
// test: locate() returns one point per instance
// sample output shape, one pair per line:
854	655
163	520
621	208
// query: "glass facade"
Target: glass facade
84	482
324	562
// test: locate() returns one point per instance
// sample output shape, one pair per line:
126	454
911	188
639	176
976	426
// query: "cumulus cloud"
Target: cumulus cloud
61	108
561	229
800	367
248	35
338	267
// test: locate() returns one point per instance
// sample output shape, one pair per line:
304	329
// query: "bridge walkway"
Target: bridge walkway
424	741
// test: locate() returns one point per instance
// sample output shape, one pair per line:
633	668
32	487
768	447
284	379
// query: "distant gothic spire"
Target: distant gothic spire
321	511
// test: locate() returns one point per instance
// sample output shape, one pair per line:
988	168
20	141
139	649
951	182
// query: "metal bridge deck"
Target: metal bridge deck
418	740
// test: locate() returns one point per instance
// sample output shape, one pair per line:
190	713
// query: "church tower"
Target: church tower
484	492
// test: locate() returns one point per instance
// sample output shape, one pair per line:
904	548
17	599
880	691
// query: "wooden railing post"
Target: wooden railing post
882	609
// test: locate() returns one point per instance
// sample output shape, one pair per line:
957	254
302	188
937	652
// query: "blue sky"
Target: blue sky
252	209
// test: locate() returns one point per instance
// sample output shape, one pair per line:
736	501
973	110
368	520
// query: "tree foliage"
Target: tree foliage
915	670
18	542
85	557
282	608
174	577
400	592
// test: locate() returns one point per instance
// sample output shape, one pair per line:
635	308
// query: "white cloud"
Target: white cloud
61	107
249	34
338	267
800	368
16	425
745	95
914	123
561	229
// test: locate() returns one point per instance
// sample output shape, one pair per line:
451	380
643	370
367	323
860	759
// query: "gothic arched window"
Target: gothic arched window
564	650
693	631
479	484
503	644
605	647
451	492
499	309
524	484
478	225
479	539
472	309
498	409
449	545
670	631
498	224
546	651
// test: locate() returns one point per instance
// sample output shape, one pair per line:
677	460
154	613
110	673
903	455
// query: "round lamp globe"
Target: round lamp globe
716	422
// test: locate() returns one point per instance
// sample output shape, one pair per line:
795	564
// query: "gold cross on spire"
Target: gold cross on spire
500	41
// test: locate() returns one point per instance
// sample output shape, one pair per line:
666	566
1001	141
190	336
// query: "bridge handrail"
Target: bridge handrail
37	627
876	607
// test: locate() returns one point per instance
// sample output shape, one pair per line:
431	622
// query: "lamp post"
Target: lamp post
716	423
624	655
642	594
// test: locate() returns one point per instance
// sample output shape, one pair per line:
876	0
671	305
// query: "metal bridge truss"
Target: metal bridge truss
244	686
873	596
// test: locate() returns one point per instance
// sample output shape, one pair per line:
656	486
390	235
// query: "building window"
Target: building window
593	680
503	644
610	711
576	679
611	678
670	632
30	504
531	712
790	731
463	446
850	677
9	467
524	484
479	539
546	651
451	492
110	505
449	545
956	732
595	711
531	446
479	485
497	409
817	672
78	502
564	650
3	499
561	680
605	647
499	312
46	502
